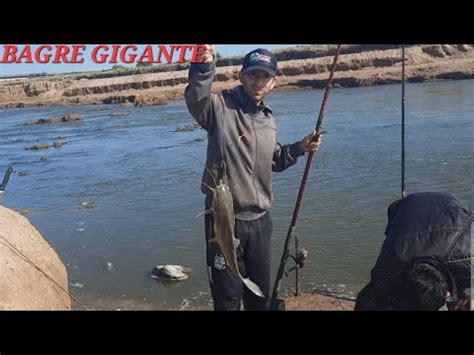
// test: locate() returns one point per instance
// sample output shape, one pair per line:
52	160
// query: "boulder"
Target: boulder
42	146
25	258
70	117
170	272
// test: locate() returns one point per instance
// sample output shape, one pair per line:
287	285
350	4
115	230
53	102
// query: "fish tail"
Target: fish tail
252	286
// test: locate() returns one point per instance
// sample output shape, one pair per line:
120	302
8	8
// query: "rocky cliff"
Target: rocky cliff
357	66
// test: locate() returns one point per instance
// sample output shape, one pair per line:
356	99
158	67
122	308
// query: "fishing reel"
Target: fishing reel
299	259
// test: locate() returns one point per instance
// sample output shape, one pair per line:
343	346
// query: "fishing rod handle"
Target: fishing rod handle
281	269
5	179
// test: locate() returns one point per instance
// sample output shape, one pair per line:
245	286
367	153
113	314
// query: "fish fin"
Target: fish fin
212	240
209	187
200	214
252	286
236	243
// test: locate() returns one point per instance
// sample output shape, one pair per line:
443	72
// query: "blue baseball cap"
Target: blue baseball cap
260	59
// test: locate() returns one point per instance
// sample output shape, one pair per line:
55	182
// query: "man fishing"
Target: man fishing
242	153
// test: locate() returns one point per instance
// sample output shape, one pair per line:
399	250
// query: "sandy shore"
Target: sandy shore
318	302
304	302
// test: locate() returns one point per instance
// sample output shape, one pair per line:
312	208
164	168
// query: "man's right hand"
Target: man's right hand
208	53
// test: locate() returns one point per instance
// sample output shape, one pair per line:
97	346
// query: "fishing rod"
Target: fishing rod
5	179
403	122
275	303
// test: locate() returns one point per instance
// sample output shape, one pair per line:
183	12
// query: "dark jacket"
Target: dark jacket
431	227
242	134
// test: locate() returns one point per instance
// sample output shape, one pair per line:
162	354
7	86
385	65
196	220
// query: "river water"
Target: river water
142	180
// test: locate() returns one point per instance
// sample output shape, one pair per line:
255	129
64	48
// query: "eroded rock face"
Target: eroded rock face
358	65
444	50
22	285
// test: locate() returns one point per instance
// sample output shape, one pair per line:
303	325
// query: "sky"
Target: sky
88	65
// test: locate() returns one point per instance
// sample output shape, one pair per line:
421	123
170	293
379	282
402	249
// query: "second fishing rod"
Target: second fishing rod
276	303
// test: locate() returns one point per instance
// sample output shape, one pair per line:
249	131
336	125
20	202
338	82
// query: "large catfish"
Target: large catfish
224	223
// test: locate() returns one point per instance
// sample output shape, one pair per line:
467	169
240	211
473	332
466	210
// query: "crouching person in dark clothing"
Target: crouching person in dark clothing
425	261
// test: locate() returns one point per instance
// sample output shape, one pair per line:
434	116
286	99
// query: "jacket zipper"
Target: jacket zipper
256	160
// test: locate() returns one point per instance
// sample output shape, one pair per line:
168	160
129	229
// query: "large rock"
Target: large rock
42	146
22	285
170	272
70	117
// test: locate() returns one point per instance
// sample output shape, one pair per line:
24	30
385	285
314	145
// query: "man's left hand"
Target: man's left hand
307	144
